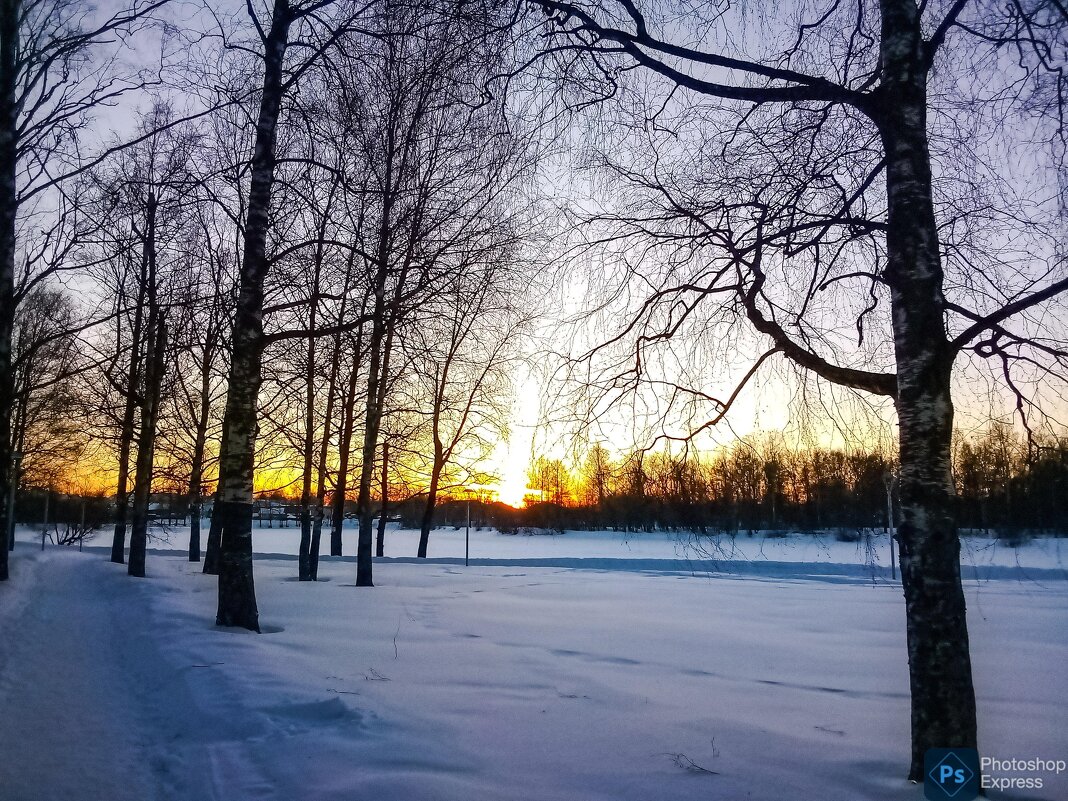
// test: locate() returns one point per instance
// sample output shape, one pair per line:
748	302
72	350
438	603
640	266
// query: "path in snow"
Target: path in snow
95	709
62	667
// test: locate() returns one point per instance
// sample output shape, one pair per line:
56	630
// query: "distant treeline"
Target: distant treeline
1002	484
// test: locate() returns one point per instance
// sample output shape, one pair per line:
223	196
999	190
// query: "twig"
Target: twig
682	761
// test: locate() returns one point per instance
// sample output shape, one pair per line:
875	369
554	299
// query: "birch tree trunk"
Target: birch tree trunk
943	697
233	505
10	12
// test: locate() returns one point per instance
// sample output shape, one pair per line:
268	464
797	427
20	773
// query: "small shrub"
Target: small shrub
848	535
73	533
1014	539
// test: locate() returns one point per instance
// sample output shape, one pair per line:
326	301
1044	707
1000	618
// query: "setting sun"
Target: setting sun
512	463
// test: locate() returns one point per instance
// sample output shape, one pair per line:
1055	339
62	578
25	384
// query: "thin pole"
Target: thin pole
44	528
889	481
467	536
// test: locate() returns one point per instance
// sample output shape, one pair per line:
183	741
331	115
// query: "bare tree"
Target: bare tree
349	411
141	208
233	499
306	514
436	159
49	87
461	367
129	415
346	401
146	442
196	398
47	360
321	464
233	502
799	182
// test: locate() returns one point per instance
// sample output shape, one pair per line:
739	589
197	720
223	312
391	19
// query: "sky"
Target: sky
547	419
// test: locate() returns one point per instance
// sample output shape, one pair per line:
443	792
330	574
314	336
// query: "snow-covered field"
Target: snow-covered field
582	666
761	554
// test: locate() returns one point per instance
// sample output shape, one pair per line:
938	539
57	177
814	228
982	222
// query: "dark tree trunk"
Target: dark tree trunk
19	427
380	542
196	471
14	478
428	515
146	448
122	497
304	557
344	453
237	591
376	370
316	542
194	529
196	505
196	495
10	13
155	341
233	507
213	549
380	348
438	463
320	470
129	418
943	697
304	570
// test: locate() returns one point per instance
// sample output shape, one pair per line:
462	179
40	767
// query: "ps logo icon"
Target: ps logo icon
951	773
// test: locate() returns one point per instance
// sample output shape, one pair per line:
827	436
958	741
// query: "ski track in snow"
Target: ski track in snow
527	681
62	668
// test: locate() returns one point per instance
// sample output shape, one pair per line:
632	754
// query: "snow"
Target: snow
778	673
763	553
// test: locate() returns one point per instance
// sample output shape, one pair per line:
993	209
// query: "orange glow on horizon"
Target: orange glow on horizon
515	497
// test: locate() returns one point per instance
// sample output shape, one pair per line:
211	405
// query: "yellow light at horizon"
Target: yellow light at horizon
511	488
514	496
